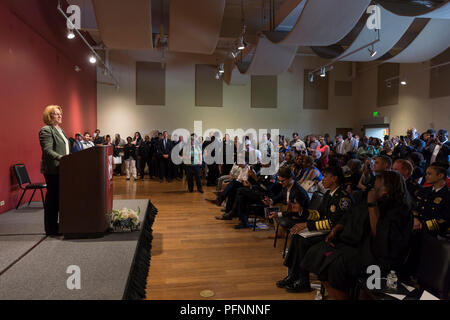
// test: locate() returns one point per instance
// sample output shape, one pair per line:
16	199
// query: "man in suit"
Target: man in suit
145	156
438	148
77	146
164	149
414	143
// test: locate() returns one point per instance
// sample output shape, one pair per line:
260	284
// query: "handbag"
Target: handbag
117	160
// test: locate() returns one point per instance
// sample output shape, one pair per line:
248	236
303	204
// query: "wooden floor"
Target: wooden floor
192	251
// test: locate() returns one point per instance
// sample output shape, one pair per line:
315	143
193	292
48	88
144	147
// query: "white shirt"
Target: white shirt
436	150
65	140
87	144
243	174
350	145
299	145
235	171
340	148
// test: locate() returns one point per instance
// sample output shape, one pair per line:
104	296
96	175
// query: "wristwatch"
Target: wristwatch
372	205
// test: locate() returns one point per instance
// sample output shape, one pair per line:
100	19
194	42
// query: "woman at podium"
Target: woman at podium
54	145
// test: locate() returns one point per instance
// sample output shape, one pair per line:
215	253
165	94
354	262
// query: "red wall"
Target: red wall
37	69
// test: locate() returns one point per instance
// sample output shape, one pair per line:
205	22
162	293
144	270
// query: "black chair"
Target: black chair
433	272
288	223
255	210
23	179
434	266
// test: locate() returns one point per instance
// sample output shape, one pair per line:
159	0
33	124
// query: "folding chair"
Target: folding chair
22	177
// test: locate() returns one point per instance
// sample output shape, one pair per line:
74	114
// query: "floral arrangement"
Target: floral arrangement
125	219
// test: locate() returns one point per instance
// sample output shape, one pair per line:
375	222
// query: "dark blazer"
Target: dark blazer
53	149
129	151
297	193
77	147
442	156
164	150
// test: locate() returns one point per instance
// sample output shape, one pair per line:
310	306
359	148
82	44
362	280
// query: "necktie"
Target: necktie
192	155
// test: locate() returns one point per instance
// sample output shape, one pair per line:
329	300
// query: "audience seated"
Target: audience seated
376	232
334	205
87	141
368	215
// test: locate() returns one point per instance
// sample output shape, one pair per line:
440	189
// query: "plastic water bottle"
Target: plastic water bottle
318	295
391	280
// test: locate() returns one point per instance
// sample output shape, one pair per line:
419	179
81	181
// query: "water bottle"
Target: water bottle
391	280
318	295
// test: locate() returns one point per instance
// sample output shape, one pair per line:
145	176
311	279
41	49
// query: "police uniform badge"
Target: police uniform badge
344	203
437	200
333	208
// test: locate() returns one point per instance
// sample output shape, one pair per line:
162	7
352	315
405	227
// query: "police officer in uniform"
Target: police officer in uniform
334	205
432	213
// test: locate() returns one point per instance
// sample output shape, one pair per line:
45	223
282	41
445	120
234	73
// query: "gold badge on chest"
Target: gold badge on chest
437	200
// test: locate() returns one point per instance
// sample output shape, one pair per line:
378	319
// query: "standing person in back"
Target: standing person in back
54	145
164	148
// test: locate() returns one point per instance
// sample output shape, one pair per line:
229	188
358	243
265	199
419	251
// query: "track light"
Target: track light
311	77
92	59
372	51
70	34
388	84
323	72
221	68
403	82
241	45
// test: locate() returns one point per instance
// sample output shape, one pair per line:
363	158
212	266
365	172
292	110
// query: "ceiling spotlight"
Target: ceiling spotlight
403	82
92	59
323	72
241	45
372	51
388	84
221	68
70	34
311	77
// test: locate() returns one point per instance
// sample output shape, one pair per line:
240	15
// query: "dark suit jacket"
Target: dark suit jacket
77	147
442	156
53	149
164	150
297	193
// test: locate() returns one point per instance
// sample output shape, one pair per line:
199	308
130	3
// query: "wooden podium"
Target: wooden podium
86	192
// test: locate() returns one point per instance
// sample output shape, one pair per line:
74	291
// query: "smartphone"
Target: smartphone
268	211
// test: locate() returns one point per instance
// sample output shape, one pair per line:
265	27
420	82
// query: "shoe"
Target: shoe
56	234
191	191
213	201
223	210
201	191
243	226
128	179
225	216
286	281
299	286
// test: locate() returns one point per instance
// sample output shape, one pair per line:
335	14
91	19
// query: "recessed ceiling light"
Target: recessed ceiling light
92	59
